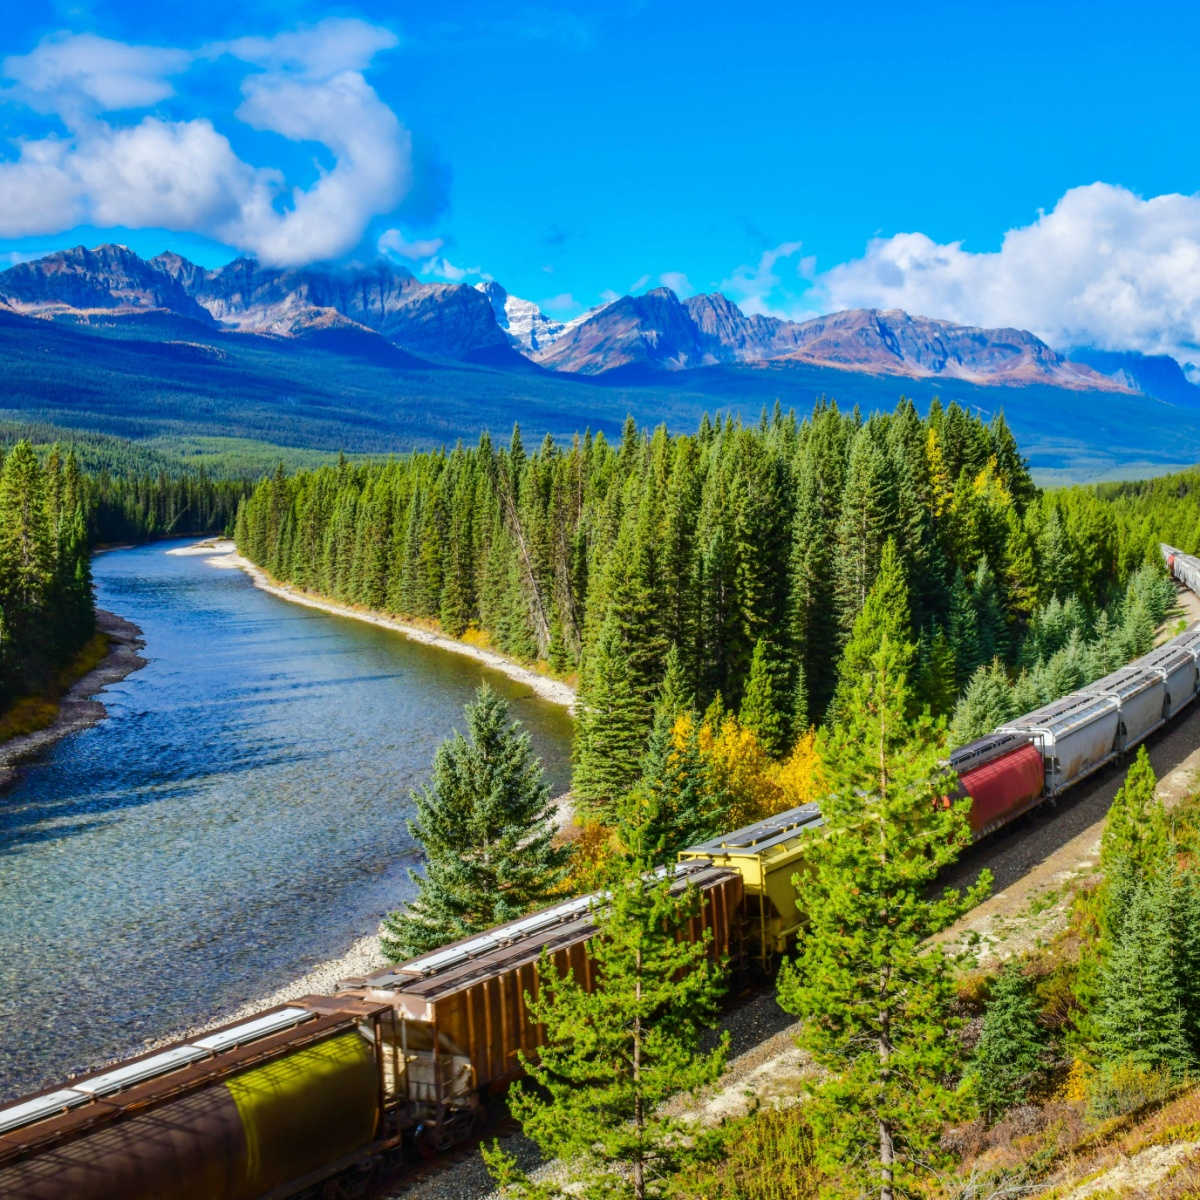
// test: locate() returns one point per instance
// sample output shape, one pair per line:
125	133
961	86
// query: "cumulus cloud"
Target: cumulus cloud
393	242
306	86
678	282
426	256
66	74
1104	267
755	287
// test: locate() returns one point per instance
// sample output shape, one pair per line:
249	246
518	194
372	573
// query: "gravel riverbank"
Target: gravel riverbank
78	709
223	553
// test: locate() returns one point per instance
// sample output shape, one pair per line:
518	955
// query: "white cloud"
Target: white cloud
754	287
563	303
426	256
185	175
678	282
443	268
333	45
393	242
1104	267
69	73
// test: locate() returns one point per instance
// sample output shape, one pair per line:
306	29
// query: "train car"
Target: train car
458	1016
766	856
1188	643
1142	703
1075	736
1185	567
1177	664
1003	775
272	1104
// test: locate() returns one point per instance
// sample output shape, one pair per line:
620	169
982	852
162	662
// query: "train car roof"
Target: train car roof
1063	716
464	963
157	1076
1125	682
762	836
985	749
1168	656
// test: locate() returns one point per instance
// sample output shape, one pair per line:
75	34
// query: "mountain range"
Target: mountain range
402	345
655	331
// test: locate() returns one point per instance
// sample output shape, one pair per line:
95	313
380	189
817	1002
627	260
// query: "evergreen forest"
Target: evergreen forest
746	551
52	514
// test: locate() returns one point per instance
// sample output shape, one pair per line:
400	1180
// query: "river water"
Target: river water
238	817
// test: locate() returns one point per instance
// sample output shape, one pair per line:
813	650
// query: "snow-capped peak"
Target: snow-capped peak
528	328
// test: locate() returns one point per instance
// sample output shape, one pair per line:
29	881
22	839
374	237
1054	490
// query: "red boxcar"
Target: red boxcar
1003	775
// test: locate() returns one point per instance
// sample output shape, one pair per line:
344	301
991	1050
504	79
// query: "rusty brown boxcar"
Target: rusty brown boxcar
254	1107
458	1014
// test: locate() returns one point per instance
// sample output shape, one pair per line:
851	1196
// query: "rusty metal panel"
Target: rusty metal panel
191	1149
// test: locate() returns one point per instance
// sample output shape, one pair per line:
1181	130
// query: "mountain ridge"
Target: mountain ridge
655	331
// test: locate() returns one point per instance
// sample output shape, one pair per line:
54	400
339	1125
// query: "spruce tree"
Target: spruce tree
1140	1015
765	703
676	802
934	680
487	826
963	631
1136	829
875	1001
863	525
986	704
610	729
612	1056
885	614
1010	1045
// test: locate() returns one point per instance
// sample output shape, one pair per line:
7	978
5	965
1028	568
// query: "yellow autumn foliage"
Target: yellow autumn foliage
757	785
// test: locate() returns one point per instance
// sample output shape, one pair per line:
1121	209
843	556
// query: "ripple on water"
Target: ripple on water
240	815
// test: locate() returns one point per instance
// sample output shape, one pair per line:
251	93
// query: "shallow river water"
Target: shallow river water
239	816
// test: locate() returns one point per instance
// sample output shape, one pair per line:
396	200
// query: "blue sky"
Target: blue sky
1018	163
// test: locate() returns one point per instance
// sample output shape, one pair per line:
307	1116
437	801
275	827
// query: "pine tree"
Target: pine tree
863	525
610	729
963	631
1010	1045
985	705
885	614
612	1056
676	802
934	680
876	1003
487	828
1136	830
1140	1015
764	705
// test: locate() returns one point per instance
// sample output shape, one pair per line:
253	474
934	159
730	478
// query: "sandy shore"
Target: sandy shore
77	709
222	553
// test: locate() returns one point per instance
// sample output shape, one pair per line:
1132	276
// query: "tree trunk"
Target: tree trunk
639	1116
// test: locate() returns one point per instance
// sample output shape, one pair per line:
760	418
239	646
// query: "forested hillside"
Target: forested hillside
749	549
45	578
51	515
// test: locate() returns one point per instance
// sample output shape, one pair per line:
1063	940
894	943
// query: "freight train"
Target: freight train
316	1094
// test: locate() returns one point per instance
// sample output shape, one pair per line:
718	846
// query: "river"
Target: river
238	817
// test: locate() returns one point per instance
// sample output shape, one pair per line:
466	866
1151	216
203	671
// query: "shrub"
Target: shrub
1124	1087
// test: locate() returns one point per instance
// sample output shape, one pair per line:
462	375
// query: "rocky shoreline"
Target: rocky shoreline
78	709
